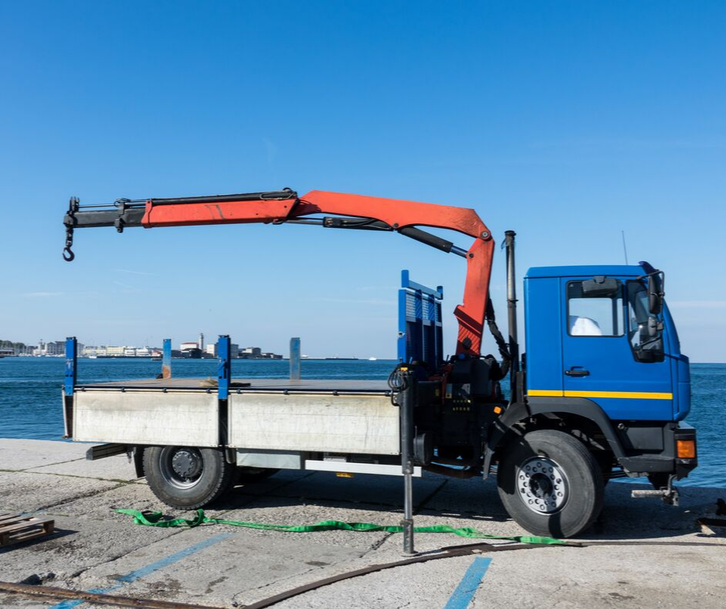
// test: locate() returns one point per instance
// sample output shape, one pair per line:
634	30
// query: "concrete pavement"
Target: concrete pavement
230	567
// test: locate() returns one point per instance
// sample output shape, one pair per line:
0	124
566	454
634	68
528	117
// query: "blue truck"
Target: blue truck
599	391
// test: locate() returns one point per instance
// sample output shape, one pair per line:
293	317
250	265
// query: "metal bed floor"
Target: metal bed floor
250	384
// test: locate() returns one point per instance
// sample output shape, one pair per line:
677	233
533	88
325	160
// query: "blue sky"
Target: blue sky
565	121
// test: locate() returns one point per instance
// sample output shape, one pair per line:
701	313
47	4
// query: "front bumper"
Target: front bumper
654	450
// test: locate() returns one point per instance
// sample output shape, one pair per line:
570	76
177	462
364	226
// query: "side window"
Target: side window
594	315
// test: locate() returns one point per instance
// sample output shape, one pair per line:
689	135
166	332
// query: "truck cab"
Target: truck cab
602	394
598	348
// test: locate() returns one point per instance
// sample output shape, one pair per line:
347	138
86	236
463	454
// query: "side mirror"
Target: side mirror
651	352
650	329
650	349
655	294
599	287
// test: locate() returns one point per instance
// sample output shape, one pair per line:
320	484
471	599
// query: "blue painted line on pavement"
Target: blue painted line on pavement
148	569
466	589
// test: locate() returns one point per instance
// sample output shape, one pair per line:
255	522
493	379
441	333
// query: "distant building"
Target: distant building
250	353
10	349
211	350
257	353
57	347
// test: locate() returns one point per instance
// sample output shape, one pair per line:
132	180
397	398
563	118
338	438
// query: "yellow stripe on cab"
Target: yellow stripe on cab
633	395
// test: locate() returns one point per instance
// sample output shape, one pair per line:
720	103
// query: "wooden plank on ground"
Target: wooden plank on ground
17	528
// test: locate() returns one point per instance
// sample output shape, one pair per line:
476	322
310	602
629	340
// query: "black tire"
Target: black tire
250	475
550	484
185	477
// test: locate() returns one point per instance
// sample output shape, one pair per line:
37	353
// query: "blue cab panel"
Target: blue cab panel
543	336
680	367
580	346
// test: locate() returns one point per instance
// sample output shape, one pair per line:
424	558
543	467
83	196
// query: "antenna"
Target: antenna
625	247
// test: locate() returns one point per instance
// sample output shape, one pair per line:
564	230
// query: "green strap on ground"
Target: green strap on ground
155	519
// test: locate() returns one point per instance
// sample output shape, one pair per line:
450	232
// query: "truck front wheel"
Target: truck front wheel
185	477
550	483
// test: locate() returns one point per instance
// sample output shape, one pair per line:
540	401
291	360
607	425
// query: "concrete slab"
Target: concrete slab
81	544
548	577
115	468
30	492
16	455
607	576
643	553
626	518
214	575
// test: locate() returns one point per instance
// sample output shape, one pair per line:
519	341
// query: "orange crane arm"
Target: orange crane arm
352	211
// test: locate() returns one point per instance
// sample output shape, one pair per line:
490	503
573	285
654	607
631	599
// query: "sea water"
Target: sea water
30	395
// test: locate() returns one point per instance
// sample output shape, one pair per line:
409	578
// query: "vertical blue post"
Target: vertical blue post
70	384
71	365
402	325
295	359
224	369
166	360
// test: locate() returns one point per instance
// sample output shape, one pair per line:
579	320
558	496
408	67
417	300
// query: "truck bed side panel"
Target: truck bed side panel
364	424
178	418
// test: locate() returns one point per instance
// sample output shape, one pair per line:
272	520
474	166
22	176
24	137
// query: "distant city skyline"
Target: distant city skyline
58	348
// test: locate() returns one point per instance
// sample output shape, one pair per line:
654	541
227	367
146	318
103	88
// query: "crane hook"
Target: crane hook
69	221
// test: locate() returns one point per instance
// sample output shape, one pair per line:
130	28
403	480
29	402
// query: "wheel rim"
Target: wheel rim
542	485
181	467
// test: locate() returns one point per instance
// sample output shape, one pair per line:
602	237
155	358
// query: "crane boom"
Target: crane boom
352	212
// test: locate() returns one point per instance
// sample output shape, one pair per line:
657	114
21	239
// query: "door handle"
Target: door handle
577	371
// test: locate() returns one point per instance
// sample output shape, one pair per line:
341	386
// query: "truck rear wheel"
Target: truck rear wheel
186	477
550	484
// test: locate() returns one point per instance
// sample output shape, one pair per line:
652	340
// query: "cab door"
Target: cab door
600	334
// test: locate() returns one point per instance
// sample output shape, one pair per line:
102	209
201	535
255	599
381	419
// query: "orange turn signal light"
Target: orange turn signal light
686	449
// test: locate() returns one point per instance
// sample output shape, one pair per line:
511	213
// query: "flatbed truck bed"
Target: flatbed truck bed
261	422
244	385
